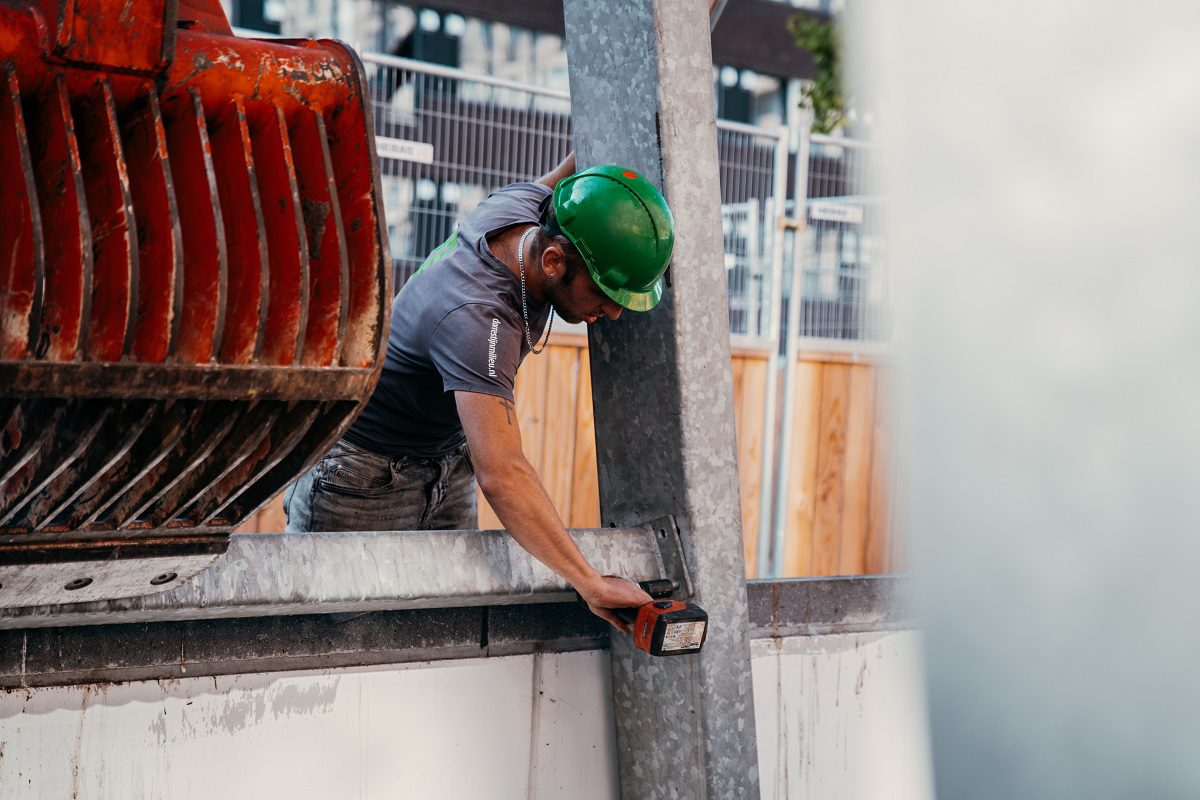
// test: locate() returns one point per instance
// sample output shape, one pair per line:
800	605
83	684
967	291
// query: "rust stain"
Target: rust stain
316	214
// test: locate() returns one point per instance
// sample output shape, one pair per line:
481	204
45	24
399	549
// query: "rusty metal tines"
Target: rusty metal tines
22	275
194	276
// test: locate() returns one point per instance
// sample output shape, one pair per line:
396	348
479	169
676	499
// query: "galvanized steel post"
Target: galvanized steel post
642	97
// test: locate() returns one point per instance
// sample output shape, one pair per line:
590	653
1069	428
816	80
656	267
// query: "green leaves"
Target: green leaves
824	95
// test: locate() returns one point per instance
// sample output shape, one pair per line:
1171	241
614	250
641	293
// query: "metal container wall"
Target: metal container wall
194	277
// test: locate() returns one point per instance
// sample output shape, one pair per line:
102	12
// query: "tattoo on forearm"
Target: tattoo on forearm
508	411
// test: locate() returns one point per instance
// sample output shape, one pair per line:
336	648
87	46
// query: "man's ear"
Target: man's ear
554	262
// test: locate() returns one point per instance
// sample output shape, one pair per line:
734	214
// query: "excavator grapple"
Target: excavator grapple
194	285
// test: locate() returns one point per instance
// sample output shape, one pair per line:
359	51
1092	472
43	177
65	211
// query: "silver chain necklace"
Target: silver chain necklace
525	303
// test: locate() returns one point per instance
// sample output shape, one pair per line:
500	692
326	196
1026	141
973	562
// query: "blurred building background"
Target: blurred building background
756	73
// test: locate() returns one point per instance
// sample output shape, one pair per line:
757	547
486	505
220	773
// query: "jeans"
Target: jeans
352	489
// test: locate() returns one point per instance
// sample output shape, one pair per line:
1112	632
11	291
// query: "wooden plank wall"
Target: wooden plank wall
554	409
561	444
838	501
839	509
749	395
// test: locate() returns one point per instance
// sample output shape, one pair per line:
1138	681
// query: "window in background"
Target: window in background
257	15
750	97
515	54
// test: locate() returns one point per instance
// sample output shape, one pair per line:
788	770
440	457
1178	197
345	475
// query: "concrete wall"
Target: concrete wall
524	726
842	717
839	716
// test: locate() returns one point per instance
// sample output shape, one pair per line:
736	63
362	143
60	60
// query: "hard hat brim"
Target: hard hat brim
634	301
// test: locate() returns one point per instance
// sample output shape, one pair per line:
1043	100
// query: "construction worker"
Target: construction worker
577	245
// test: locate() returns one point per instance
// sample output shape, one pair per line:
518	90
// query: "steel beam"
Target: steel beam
66	656
266	575
641	87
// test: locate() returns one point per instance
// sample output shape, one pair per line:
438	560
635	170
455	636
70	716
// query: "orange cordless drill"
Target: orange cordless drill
666	627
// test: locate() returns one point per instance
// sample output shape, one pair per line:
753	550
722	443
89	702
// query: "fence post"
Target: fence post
791	325
643	97
766	497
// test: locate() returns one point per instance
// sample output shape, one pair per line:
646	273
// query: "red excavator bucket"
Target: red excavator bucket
194	285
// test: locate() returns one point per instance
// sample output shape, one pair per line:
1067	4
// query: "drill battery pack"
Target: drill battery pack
670	628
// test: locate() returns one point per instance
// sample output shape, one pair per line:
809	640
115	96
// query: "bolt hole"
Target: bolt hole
78	583
166	577
662	533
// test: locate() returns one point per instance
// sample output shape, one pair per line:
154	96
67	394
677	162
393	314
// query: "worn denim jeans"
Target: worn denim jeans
352	489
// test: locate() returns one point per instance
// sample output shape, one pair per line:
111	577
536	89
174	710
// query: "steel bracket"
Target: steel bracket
670	546
86	573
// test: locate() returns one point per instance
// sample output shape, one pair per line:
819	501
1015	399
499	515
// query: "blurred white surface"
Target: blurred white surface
1045	172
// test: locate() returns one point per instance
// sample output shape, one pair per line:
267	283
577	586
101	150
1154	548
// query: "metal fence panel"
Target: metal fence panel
751	191
446	139
845	288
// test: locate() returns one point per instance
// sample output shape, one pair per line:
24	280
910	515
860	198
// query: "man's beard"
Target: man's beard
559	297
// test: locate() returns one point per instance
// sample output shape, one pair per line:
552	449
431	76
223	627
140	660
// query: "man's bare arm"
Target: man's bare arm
515	492
567	167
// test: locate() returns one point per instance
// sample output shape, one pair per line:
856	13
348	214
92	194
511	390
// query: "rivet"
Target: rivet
166	577
78	583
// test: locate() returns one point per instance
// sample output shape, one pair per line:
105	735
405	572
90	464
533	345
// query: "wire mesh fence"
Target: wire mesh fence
751	186
446	139
845	293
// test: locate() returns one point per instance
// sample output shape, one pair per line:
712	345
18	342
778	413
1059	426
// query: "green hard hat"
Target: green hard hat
622	227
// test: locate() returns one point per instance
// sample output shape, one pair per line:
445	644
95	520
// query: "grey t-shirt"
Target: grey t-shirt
456	326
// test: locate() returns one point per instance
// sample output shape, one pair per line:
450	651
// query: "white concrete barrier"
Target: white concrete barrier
839	716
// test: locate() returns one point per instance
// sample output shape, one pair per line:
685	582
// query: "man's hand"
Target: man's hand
564	169
609	592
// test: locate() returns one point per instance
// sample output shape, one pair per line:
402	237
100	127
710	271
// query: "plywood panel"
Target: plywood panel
738	372
530	394
856	484
585	486
881	533
269	519
530	391
750	379
802	478
839	508
831	465
558	445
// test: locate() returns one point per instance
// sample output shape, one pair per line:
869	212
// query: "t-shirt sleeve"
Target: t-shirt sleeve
476	348
512	205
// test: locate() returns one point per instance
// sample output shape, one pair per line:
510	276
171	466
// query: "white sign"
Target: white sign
402	150
836	212
683	636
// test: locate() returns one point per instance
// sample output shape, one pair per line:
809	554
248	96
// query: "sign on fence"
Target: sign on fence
403	150
835	212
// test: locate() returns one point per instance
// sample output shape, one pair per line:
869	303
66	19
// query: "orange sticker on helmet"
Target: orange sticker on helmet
629	174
